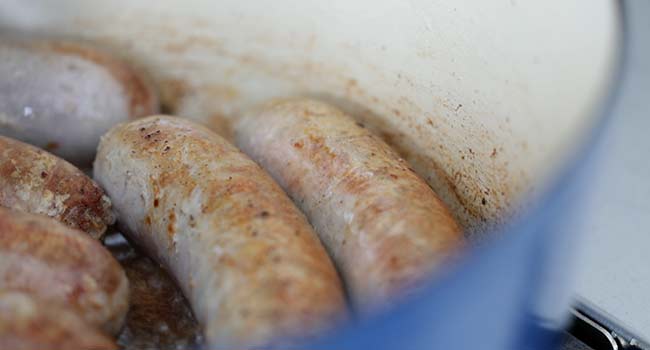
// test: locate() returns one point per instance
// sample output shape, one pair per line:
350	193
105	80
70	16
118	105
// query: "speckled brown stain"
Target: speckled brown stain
172	92
434	159
52	146
220	124
170	225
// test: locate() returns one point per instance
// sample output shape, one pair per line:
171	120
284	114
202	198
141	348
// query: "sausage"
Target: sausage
383	225
250	265
27	323
60	265
35	181
62	96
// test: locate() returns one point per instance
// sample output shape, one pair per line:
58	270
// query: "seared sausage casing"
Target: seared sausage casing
63	266
248	261
384	226
27	323
35	181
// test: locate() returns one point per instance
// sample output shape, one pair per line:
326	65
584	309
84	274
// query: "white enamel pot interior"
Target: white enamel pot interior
486	99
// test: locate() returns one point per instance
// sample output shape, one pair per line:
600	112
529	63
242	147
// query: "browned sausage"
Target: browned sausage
248	261
27	323
35	181
384	226
60	265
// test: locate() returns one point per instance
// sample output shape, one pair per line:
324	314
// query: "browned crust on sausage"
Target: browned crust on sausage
36	181
383	224
28	323
245	232
142	100
42	257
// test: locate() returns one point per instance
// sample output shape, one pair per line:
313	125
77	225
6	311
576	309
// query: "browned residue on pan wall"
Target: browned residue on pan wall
220	124
479	186
200	102
172	92
451	173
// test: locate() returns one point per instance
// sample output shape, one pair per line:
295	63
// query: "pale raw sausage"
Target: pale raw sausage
62	96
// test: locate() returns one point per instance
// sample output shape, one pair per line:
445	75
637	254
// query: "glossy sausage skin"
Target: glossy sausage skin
35	181
63	266
248	261
384	226
62	96
27	323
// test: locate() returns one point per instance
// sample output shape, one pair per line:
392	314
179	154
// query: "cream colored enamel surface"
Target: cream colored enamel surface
483	98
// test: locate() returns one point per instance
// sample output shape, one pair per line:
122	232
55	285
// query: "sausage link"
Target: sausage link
252	268
35	181
62	96
384	226
60	265
27	323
